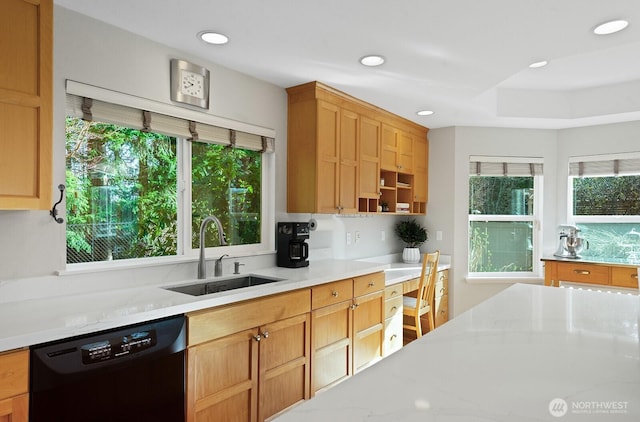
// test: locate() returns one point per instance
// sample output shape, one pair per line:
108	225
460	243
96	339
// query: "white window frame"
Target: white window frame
534	219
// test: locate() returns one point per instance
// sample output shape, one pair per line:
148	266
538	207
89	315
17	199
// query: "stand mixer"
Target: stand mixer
571	244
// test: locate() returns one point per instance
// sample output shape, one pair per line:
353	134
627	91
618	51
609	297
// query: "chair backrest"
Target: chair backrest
426	289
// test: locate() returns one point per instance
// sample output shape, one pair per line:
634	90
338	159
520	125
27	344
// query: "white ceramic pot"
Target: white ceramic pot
411	255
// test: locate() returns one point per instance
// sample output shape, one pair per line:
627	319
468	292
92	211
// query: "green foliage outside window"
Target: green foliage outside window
122	192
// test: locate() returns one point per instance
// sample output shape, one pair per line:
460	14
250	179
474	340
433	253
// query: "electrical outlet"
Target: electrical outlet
348	238
439	235
357	236
382	236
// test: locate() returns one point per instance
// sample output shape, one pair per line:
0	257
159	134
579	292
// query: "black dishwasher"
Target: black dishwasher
133	373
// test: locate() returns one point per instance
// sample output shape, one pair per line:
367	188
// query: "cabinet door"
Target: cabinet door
421	172
331	346
15	409
284	365
405	153
348	177
222	379
369	159
328	175
368	330
389	148
26	104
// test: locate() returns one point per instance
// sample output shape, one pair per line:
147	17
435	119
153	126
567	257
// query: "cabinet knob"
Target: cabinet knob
371	284
265	334
354	306
334	293
257	337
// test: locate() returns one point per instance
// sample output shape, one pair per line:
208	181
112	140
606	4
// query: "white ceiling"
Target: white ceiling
465	59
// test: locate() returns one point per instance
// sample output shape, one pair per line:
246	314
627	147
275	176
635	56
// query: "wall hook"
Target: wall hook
54	212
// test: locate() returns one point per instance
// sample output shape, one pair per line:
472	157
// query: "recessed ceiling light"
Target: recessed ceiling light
212	37
610	27
424	113
539	64
372	60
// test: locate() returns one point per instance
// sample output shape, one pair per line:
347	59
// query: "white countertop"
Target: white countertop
508	359
28	322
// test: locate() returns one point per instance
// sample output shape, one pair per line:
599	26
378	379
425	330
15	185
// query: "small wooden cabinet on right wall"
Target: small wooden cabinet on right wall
345	156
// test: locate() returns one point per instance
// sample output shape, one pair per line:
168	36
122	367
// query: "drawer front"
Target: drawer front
624	277
210	324
442	283
14	373
583	273
331	293
392	306
368	284
442	310
392	335
393	291
411	285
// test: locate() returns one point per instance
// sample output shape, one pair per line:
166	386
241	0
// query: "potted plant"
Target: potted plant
413	235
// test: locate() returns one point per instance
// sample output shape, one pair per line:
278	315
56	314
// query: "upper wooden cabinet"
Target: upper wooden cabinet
26	32
339	149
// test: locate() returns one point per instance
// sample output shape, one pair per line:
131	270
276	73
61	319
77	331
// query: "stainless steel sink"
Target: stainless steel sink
209	286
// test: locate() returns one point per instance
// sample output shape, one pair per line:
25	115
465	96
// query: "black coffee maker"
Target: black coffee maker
293	250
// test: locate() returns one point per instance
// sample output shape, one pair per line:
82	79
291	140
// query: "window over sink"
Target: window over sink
134	191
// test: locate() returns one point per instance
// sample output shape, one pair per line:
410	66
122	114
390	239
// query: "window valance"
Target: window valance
90	103
627	164
505	166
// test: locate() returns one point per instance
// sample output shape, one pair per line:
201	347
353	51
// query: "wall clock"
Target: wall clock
189	83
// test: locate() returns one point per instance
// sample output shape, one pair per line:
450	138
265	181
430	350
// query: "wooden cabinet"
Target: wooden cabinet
392	320
26	104
369	177
617	275
14	386
420	185
441	298
346	328
597	273
249	361
338	149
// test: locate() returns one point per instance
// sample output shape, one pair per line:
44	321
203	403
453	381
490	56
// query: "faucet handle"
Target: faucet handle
236	267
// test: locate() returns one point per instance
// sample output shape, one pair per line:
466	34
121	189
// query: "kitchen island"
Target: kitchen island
530	353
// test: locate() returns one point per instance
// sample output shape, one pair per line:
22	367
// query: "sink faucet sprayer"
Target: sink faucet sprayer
202	271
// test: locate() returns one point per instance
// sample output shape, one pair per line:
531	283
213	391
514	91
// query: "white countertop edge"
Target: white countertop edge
29	322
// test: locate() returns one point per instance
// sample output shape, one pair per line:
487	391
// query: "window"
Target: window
604	203
504	204
137	190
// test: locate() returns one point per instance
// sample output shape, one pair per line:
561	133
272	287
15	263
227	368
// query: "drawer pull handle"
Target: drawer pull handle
393	337
334	293
371	284
393	293
634	275
442	290
583	272
395	308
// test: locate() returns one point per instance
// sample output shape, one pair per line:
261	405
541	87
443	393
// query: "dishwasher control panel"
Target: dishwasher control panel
116	347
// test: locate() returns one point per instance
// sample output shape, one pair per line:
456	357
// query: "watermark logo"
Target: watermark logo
558	407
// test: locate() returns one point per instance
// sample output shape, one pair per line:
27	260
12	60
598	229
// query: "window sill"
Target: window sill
504	280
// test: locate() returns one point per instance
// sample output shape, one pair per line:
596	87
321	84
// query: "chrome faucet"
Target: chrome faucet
202	270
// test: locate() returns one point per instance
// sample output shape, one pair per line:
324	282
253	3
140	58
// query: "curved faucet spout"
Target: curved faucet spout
202	271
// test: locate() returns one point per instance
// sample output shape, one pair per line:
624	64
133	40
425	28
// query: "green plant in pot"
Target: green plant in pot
413	235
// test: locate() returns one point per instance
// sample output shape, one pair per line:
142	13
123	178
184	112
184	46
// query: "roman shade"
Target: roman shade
97	104
614	165
505	166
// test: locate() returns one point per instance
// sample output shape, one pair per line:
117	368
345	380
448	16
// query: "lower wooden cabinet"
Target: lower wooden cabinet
347	328
252	374
392	320
14	386
598	273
